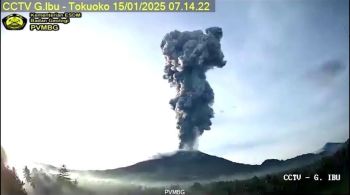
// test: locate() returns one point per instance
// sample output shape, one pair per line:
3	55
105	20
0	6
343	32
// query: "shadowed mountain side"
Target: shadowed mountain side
183	165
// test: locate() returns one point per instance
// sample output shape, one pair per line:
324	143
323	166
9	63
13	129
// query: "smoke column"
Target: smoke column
188	56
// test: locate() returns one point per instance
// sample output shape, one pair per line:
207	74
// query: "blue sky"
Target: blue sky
283	92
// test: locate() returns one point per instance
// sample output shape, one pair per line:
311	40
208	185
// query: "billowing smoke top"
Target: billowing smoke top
188	56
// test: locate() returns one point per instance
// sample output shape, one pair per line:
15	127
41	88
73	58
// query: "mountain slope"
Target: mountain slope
330	148
182	165
196	165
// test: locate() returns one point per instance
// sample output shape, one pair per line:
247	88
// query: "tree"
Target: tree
75	182
63	175
27	176
10	183
197	186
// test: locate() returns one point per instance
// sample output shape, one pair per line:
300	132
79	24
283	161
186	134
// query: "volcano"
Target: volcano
183	166
180	166
198	166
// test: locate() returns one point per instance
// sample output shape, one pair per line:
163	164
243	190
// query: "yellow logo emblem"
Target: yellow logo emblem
14	22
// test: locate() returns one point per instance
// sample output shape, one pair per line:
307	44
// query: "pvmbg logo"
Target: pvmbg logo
14	22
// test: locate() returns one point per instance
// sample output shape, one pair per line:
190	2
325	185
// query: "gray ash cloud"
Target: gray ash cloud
332	68
188	56
326	72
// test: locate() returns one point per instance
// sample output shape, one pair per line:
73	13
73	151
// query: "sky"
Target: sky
91	95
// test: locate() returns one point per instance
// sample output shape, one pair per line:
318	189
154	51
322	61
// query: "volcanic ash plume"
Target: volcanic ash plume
188	56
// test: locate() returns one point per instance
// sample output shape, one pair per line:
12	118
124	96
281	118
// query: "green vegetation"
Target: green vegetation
43	183
10	183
